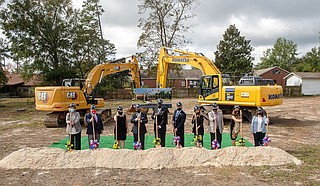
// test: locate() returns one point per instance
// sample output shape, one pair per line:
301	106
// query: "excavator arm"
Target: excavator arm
102	70
196	60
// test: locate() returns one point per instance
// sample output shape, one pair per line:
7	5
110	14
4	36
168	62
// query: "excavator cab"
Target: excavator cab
210	87
73	82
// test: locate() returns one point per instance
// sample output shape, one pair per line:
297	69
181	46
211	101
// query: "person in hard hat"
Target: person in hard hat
142	117
122	127
74	126
95	118
160	124
197	121
178	119
258	126
236	119
216	124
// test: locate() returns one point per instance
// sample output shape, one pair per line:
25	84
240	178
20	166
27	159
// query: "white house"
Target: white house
309	82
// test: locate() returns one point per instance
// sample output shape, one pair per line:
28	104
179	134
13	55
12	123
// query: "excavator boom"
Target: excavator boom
196	60
102	70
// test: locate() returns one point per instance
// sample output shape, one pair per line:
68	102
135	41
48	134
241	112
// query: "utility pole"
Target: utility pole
99	21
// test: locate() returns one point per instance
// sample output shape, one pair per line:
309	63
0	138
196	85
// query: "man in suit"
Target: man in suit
94	118
178	119
216	123
74	126
143	120
160	124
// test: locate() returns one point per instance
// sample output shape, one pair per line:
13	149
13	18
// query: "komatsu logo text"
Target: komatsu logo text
274	96
180	60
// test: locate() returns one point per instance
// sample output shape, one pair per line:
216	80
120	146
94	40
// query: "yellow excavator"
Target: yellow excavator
214	85
56	99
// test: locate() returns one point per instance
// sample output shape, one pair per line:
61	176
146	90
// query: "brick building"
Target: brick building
275	73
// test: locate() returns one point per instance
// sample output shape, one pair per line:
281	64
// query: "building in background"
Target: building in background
276	73
17	87
309	82
185	79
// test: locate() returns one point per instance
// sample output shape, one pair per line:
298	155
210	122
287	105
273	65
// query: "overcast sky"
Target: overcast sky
261	21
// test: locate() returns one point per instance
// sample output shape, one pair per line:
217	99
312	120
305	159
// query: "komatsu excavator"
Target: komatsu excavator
214	85
56	99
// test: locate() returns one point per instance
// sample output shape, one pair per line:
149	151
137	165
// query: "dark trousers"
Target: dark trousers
219	137
135	138
258	138
77	138
162	136
181	134
90	137
201	138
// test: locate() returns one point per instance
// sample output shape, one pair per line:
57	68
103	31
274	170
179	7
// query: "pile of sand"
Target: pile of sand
54	158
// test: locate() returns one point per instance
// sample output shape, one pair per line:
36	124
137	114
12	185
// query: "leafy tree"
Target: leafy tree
51	38
234	53
89	47
164	26
283	54
3	55
39	37
310	62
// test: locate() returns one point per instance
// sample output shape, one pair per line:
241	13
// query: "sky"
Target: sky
261	21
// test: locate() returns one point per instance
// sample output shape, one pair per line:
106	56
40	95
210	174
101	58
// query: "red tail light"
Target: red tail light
263	100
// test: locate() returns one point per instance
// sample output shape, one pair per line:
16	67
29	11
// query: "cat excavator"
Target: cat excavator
56	99
214	86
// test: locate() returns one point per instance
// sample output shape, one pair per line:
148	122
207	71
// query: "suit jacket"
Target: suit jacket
143	122
199	119
98	125
219	122
162	118
179	121
75	122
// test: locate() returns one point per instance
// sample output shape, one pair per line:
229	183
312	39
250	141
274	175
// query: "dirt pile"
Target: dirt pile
52	158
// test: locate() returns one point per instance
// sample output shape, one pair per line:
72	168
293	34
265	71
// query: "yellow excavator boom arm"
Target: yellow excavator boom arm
196	60
98	72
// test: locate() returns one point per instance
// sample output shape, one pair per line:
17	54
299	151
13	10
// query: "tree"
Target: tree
283	54
37	32
51	38
234	53
89	47
165	26
310	62
3	55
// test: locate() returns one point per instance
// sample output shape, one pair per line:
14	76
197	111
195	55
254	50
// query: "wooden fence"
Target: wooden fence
291	91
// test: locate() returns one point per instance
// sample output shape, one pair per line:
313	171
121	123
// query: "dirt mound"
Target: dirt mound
53	158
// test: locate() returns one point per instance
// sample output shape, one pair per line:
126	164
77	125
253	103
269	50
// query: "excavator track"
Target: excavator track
105	115
55	119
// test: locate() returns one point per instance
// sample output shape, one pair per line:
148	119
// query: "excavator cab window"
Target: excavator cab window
209	85
73	82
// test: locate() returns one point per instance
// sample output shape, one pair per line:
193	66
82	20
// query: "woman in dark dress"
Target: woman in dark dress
198	129
121	128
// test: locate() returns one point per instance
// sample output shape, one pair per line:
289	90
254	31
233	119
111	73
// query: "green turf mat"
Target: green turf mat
108	141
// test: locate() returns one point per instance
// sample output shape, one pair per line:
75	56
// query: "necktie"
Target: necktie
95	118
176	116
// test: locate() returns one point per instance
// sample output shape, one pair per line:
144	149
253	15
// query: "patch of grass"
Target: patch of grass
10	127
